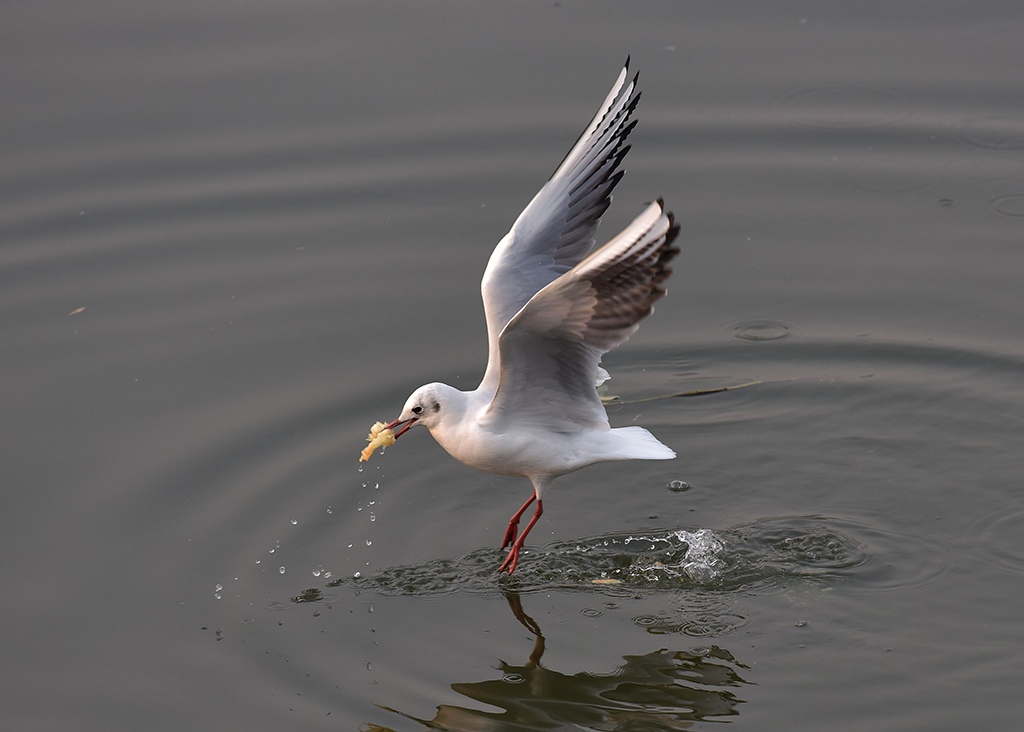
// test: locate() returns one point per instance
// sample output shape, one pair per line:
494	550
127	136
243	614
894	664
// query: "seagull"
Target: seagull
553	309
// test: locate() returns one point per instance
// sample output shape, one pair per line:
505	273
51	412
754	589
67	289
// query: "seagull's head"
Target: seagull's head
425	407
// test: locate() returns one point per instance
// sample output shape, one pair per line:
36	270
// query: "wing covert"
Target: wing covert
550	352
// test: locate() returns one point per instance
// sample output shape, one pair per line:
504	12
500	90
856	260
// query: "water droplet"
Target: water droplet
368	542
373	517
678	486
281	570
801	623
357	575
295	522
330	510
316	572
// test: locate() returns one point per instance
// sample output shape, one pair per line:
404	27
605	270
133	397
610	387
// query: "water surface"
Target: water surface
233	236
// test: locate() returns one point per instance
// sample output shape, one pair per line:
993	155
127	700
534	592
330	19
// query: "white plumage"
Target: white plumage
553	309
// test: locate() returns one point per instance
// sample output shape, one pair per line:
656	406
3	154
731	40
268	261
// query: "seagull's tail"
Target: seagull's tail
636	443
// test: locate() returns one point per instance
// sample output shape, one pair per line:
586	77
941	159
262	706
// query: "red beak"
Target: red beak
408	423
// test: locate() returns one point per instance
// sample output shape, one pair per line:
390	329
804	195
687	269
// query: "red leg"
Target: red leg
513	523
513	556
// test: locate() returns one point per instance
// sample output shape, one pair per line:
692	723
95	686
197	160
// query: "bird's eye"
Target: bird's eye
417	410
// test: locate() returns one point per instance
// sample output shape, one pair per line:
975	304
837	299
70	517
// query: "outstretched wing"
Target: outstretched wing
551	350
556	230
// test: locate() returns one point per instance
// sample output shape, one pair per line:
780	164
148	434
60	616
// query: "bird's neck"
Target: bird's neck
459	410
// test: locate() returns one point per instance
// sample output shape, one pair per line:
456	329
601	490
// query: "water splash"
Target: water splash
754	555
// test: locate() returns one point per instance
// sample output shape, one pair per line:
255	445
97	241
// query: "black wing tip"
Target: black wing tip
661	204
625	67
632	108
673	229
672	232
624	122
670	238
630	87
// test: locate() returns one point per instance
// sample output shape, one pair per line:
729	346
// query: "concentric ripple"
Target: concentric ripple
1011	205
986	168
999	541
764	330
993	133
844	107
744	557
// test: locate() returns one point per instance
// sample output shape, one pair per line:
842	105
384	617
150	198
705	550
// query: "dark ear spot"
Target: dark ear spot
437	407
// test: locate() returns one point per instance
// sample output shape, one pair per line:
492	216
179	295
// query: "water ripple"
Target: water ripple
993	133
742	558
1011	205
986	168
999	538
891	178
844	107
761	330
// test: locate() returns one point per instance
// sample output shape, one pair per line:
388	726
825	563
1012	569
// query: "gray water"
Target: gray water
234	235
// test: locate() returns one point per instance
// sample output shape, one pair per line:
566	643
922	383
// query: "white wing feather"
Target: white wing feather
551	349
556	230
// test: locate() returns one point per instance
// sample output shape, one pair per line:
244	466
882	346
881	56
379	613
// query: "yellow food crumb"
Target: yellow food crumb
606	582
378	437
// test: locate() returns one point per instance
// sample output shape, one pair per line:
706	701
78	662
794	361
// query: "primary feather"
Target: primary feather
556	229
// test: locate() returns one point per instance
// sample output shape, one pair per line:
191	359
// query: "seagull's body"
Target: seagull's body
523	448
553	309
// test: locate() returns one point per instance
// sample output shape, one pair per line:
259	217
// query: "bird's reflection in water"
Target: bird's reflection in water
663	690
